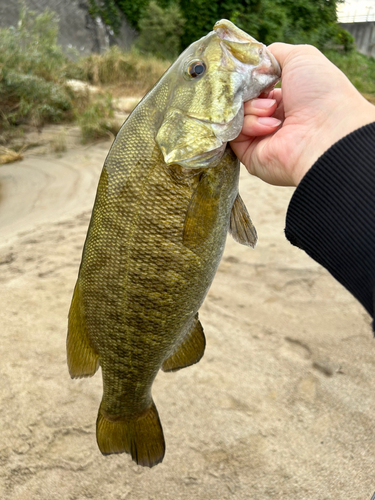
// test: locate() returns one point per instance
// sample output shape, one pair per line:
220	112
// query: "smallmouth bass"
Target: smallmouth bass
167	196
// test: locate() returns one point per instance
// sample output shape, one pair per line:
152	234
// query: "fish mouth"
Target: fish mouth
247	49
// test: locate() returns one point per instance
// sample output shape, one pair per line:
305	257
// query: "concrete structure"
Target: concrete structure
364	35
77	28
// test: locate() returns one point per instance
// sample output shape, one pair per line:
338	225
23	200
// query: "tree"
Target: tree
161	30
292	21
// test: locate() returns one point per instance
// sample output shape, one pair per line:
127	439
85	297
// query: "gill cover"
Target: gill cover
189	142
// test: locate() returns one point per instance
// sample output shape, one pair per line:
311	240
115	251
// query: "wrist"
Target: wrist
334	130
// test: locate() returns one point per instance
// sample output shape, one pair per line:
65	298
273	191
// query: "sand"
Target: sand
281	406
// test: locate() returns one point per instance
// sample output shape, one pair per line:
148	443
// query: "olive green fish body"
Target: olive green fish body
167	196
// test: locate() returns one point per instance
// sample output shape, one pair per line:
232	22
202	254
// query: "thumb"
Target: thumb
281	51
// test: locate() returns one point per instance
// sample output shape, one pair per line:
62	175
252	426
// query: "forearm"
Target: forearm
332	213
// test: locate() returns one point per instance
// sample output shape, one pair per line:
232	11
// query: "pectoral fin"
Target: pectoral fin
202	211
190	351
241	227
82	359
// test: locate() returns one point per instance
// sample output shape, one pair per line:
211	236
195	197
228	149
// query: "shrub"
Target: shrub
30	98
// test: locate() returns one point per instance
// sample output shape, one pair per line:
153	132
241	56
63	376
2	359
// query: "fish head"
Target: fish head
208	85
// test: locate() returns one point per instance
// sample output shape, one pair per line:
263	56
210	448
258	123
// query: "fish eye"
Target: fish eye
196	68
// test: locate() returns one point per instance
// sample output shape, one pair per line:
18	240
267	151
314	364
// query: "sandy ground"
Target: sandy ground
281	406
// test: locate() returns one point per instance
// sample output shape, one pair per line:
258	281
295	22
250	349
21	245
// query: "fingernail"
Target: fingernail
263	103
269	121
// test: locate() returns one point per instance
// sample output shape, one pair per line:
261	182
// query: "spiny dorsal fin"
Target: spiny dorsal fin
190	351
241	227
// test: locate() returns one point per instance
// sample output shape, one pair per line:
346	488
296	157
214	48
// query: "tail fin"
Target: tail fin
141	436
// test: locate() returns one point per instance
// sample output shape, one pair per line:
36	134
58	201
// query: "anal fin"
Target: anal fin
241	227
141	436
190	351
82	359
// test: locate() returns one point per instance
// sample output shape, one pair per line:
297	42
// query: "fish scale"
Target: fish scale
167	196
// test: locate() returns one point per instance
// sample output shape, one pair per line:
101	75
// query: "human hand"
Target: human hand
286	132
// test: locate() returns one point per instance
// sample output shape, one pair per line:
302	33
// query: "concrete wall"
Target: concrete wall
364	35
76	27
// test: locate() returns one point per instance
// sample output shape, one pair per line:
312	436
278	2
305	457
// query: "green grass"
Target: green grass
358	68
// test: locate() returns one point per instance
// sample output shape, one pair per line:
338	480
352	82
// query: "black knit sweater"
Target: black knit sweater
332	213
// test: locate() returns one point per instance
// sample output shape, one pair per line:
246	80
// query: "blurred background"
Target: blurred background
88	62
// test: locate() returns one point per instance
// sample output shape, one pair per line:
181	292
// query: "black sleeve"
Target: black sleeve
332	213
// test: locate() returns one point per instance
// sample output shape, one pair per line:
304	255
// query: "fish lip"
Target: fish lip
226	30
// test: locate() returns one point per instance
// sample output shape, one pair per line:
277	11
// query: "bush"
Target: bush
29	98
32	73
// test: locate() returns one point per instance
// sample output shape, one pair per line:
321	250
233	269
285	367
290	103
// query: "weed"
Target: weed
59	143
135	74
97	119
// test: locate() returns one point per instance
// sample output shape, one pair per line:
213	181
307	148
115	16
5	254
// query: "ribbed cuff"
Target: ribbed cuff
332	213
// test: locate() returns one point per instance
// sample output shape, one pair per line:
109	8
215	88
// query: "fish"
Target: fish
166	199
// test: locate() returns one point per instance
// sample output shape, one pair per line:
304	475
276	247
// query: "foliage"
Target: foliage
291	21
32	99
33	74
133	10
161	30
